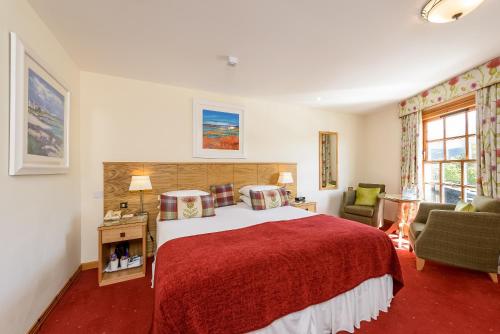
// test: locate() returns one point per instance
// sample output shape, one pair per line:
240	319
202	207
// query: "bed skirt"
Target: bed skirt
341	313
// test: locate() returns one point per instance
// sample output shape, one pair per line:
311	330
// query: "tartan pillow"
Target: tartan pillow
172	208
224	194
268	199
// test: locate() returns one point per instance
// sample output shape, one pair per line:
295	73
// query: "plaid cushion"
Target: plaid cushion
191	206
268	199
224	194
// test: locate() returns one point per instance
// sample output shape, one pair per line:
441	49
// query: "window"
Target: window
449	166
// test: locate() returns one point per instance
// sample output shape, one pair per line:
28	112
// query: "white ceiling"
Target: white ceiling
346	55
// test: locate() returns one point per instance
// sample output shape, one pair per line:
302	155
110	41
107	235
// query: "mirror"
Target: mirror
328	160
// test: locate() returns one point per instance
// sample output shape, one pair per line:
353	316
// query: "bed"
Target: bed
283	270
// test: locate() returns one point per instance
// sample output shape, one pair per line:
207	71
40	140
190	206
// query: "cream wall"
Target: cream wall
128	120
40	215
381	152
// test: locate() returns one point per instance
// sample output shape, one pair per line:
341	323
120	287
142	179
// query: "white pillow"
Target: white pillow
246	189
247	200
183	193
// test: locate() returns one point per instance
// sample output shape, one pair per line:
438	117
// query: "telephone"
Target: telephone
113	215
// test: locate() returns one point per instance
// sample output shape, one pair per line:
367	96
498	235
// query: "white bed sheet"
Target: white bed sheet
226	218
343	312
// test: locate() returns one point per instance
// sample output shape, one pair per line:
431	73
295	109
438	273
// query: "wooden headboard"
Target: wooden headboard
170	176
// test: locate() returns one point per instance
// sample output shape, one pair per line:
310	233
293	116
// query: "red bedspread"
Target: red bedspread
242	280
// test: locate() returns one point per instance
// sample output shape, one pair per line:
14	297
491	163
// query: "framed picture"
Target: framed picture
39	115
218	130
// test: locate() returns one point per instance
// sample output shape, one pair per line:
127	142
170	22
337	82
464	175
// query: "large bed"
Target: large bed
283	270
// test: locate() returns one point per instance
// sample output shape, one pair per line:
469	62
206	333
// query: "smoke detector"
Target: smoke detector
232	60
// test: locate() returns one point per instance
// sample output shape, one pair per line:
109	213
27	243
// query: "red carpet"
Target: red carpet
440	299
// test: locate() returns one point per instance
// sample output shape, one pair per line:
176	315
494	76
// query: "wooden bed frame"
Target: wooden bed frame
168	176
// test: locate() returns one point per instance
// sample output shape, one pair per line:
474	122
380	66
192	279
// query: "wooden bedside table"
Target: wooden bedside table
132	230
308	206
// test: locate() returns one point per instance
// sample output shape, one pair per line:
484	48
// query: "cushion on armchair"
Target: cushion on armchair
359	210
465	207
366	196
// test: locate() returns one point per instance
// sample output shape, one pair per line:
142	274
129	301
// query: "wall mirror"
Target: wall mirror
328	160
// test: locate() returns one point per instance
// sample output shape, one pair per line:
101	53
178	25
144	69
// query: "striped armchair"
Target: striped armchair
464	239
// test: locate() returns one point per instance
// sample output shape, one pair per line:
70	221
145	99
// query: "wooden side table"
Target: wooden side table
407	208
133	231
308	206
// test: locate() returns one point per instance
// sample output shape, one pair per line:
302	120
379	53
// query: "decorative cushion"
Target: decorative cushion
246	189
224	194
366	196
172	208
359	210
268	199
464	207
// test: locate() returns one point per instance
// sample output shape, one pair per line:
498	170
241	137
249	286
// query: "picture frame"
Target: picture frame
39	115
218	130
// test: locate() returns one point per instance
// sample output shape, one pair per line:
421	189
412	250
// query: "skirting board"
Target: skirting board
36	327
89	265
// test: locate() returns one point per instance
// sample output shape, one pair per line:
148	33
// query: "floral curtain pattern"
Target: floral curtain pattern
473	80
326	171
488	140
411	151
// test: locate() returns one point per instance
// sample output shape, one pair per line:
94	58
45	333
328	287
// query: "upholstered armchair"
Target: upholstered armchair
464	239
370	215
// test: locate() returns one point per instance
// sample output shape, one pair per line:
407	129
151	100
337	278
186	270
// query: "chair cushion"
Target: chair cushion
360	210
416	229
486	204
465	207
366	196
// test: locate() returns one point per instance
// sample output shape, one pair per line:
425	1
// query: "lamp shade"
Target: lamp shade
442	11
140	183
285	178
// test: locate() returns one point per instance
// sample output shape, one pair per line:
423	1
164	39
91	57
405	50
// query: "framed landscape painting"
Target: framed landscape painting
39	116
218	130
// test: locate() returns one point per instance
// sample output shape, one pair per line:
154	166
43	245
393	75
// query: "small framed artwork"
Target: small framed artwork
39	115
218	130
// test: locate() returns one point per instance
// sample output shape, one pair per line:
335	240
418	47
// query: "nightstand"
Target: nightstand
132	230
308	206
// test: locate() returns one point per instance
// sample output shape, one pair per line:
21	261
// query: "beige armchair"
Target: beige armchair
370	215
464	239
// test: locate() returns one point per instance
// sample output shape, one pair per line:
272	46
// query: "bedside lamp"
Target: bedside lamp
140	183
285	178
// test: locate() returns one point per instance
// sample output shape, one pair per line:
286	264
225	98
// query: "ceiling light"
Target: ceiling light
442	11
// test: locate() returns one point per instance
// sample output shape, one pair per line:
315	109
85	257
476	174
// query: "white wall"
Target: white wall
128	120
381	152
40	215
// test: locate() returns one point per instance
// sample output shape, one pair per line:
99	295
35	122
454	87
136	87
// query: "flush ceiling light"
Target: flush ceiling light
442	11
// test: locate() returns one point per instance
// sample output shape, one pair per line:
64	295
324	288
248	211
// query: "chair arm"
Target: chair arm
348	198
426	207
465	239
378	210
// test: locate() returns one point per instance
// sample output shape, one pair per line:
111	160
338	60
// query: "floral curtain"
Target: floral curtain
470	81
326	171
411	151
488	140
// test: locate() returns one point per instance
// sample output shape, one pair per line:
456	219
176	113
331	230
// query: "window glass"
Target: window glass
452	173
455	125
435	129
431	172
431	193
451	194
455	149
470	177
471	119
435	150
472	147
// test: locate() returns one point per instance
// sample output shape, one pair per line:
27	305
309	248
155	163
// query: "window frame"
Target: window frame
464	105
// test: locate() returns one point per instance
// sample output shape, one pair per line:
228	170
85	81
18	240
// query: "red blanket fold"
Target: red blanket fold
242	280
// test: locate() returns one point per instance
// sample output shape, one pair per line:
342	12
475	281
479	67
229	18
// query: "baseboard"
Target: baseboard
36	327
89	265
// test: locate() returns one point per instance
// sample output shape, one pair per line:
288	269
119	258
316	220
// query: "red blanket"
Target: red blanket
242	280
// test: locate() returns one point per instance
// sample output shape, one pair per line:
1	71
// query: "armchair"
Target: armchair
370	215
464	239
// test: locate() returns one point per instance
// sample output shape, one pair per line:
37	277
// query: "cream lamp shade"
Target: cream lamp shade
285	178
140	183
442	11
